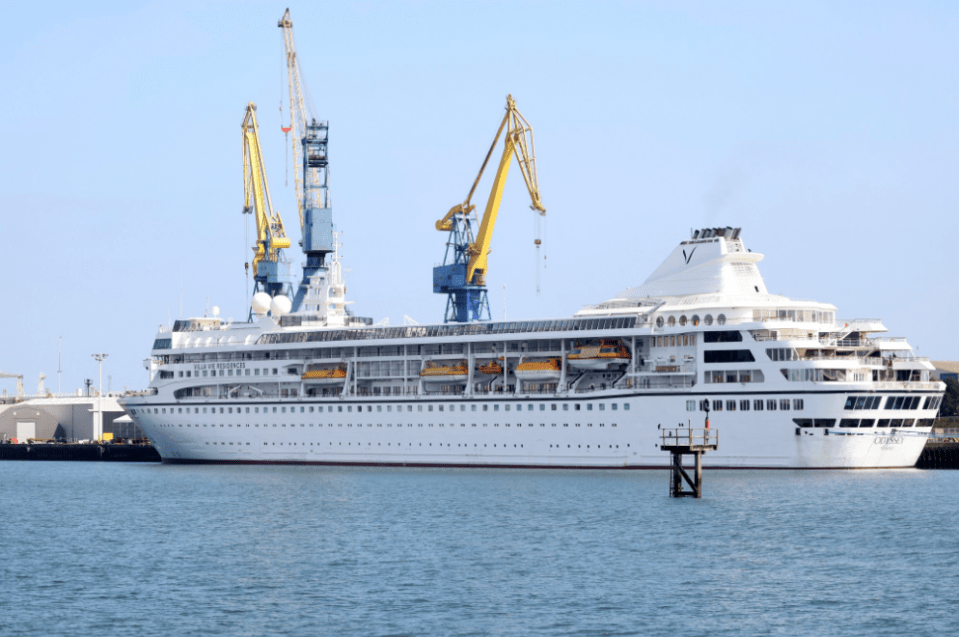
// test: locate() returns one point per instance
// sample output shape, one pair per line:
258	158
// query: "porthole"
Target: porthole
682	320
659	321
672	321
695	319
708	320
721	319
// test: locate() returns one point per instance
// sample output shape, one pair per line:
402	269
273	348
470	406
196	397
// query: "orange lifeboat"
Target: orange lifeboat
549	370
455	373
492	367
599	355
329	375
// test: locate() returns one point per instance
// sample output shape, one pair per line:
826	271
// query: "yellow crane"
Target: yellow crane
272	271
463	273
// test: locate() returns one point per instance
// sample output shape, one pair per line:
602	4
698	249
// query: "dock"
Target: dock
80	452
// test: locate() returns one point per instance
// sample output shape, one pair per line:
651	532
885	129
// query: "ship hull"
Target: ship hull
560	433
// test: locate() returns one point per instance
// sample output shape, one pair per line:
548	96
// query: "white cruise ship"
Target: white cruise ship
787	384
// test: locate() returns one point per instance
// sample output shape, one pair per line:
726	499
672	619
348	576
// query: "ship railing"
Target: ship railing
689	437
906	384
666	367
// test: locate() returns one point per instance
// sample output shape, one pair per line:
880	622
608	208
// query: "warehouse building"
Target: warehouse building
68	418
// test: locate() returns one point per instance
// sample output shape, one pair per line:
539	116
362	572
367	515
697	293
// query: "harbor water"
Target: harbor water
148	549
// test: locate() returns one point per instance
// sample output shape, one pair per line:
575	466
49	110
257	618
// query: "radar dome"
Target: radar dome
281	305
261	303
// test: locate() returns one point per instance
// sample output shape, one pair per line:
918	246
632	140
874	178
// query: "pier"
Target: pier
685	441
80	452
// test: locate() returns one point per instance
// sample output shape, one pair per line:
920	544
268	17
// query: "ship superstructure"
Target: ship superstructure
788	384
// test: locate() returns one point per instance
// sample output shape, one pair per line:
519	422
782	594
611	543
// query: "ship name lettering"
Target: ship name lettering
888	440
202	366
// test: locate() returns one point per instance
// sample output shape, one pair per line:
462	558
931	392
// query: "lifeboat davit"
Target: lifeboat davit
455	373
610	353
549	370
325	376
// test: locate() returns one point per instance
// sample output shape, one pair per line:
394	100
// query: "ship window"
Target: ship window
576	407
743	405
565	406
485	407
589	407
659	321
695	319
882	422
771	404
553	407
730	405
850	403
528	407
717	405
247	373
506	407
672	321
824	422
803	422
721	319
708	320
690	405
462	407
728	356
615	406
899	402
758	404
274	371
496	407
672	341
602	406
472	407
784	404
339	408
866	422
682	320
441	408
798	404
256	372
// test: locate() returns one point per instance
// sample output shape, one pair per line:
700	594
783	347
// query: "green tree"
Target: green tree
950	402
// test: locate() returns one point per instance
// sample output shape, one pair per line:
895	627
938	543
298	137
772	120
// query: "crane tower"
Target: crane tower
312	169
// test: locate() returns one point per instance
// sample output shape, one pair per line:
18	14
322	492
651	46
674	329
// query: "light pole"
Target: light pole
98	419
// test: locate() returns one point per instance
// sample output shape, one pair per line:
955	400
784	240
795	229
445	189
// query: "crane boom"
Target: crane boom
272	271
463	274
19	378
311	167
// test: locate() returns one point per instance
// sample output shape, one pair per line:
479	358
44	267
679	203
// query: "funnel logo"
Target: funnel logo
690	255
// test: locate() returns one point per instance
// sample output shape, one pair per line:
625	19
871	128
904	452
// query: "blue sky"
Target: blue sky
828	131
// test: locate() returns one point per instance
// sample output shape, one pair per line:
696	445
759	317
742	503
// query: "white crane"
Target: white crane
19	378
